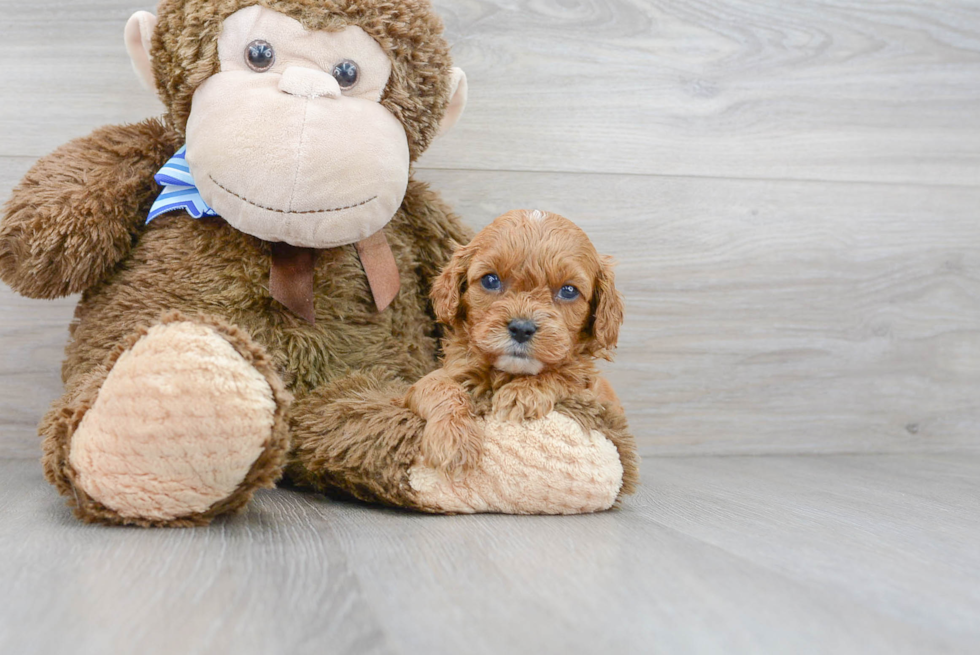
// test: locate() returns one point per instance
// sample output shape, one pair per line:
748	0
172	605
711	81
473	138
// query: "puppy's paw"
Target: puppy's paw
518	402
452	442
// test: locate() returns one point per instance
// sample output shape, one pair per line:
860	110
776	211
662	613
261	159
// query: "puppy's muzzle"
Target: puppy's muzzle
521	330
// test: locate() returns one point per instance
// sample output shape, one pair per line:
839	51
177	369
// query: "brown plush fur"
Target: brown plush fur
354	436
534	255
206	267
76	224
78	211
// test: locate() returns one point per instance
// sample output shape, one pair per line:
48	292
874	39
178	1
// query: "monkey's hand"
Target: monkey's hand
579	458
77	212
452	441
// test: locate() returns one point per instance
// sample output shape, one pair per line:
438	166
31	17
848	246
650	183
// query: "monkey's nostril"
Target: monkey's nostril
521	330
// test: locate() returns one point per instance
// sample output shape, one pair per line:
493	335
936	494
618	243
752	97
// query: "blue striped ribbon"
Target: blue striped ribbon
179	190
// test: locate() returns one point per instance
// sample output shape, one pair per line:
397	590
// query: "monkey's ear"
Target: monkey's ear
139	36
447	290
457	101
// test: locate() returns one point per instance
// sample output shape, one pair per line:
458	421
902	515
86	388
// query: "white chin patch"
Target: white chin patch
518	365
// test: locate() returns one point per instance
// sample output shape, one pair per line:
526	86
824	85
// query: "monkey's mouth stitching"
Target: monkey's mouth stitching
282	211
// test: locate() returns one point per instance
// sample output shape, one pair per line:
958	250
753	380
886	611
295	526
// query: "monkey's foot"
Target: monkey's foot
545	466
186	425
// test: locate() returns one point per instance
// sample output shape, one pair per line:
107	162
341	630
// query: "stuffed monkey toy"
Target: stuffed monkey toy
254	269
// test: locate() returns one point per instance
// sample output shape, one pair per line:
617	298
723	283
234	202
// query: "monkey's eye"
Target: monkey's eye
260	56
346	74
568	292
491	282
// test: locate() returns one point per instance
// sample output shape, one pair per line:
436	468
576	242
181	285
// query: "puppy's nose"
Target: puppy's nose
521	330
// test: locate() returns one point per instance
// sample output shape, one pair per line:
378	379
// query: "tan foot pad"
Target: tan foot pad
549	466
176	426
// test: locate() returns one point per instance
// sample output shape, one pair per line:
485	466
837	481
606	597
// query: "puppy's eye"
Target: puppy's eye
568	292
491	282
259	55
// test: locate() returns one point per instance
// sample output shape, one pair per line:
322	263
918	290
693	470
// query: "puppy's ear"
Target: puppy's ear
607	309
447	290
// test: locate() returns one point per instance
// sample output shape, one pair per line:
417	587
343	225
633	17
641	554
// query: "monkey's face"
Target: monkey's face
289	142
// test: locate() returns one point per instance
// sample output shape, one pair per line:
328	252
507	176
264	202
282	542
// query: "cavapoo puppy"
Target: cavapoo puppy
530	305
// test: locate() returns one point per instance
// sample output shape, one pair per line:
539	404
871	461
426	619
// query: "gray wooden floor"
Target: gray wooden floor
781	554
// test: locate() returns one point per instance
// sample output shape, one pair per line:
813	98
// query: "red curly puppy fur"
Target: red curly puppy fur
531	306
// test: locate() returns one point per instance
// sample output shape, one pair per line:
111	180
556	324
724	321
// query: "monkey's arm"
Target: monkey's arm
356	435
78	211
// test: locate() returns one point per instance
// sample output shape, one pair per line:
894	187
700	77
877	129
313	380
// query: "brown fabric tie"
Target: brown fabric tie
291	277
381	269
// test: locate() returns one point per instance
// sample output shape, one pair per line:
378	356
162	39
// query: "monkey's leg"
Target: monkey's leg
357	436
183	423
